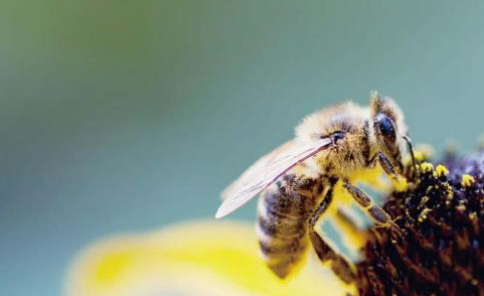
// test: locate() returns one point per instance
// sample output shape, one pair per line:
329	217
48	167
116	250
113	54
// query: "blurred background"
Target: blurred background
120	116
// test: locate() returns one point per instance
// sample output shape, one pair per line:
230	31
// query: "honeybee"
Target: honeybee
297	180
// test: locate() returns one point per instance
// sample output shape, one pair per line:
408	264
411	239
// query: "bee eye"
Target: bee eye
386	127
338	135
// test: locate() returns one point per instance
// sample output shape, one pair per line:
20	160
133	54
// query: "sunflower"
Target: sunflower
438	249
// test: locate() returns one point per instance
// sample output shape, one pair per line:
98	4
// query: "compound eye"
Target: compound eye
386	127
338	135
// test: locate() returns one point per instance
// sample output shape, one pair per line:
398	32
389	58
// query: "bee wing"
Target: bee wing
265	171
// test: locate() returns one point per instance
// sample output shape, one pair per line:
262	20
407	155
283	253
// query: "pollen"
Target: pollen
461	208
467	180
423	215
423	152
426	167
400	183
424	200
473	216
419	156
442	170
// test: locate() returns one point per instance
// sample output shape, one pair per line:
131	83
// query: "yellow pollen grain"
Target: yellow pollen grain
450	192
473	216
423	215
400	183
426	167
461	208
423	152
424	200
419	156
442	170
467	180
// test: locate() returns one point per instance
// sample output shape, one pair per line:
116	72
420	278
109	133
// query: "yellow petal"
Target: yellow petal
198	258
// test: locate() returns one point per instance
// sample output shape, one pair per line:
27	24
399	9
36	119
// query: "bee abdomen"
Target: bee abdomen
283	213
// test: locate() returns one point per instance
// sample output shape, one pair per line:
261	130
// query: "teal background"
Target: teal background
121	116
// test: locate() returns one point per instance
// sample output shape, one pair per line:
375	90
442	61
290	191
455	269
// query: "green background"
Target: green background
121	116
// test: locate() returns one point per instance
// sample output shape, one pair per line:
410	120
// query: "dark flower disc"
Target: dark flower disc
439	248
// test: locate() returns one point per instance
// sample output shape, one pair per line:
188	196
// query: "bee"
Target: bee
296	181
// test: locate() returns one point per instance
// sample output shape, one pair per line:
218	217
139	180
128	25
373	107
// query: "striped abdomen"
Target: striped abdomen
283	213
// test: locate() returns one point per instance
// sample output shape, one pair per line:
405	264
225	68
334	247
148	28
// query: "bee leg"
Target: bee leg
340	266
323	206
415	172
385	163
365	201
389	168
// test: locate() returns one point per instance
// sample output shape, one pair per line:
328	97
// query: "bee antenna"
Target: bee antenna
410	150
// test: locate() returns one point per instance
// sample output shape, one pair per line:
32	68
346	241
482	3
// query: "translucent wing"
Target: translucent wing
265	171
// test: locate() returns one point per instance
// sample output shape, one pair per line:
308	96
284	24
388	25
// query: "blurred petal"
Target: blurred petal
198	258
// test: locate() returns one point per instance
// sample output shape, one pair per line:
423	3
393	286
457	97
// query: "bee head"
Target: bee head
388	126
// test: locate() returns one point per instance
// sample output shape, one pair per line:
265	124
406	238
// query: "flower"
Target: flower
441	250
437	249
197	258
